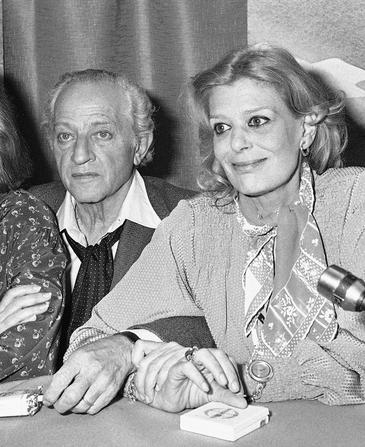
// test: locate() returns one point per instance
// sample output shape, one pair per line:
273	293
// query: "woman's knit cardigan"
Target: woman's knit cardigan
193	266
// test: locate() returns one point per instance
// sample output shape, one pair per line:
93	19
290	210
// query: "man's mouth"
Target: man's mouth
84	174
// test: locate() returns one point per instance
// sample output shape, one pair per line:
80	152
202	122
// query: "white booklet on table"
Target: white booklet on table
223	421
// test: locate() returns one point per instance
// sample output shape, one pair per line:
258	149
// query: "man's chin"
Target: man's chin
87	198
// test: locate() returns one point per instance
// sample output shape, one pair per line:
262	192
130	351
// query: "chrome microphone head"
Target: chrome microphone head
343	288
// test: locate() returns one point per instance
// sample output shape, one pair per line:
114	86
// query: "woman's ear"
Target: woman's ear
309	131
143	144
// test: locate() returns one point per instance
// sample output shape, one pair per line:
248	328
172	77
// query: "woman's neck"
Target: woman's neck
265	208
257	214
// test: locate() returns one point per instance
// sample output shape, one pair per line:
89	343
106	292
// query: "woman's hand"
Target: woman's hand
166	380
22	304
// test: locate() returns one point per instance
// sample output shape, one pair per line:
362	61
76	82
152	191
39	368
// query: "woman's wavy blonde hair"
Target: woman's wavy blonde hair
302	93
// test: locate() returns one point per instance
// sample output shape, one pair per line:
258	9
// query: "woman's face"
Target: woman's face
256	137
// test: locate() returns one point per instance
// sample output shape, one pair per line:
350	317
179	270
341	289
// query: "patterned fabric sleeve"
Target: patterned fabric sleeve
31	252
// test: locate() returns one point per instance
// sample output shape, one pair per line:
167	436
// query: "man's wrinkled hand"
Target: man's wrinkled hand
91	377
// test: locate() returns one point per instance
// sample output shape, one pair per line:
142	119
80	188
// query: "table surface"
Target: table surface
123	423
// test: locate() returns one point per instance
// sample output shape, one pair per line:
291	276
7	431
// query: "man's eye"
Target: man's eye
220	128
64	137
257	121
104	135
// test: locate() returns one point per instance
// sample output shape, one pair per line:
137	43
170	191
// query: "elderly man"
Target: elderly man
100	129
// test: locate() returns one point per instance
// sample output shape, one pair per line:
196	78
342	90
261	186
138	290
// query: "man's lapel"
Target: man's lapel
133	240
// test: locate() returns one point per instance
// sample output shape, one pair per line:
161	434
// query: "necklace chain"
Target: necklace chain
244	223
261	217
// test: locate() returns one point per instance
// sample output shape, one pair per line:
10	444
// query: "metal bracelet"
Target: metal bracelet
130	388
256	395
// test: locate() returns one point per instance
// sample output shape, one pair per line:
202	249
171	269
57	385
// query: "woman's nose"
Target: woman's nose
82	152
239	140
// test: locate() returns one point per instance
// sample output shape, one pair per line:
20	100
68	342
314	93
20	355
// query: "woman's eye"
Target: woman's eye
257	121
220	128
64	137
104	135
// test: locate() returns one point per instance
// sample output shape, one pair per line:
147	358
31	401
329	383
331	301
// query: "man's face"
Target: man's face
93	140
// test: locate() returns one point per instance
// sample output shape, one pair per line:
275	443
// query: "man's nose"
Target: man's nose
239	140
82	152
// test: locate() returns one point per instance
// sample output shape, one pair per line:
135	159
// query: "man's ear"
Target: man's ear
309	131
143	144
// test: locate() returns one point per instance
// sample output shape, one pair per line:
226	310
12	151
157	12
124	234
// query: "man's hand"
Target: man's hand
22	304
91	377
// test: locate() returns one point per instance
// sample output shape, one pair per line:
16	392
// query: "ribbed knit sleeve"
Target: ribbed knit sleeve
333	373
157	286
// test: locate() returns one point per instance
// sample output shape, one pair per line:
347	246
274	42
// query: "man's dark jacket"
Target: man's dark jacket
163	196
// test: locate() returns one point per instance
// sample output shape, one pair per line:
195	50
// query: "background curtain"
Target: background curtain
158	43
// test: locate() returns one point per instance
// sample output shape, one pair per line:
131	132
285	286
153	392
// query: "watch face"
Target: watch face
260	370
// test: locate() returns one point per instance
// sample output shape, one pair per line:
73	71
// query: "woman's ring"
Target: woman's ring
189	353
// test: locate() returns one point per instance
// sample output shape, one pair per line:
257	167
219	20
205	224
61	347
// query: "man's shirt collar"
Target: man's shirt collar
136	208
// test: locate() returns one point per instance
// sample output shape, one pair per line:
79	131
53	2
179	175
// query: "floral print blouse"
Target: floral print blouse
31	252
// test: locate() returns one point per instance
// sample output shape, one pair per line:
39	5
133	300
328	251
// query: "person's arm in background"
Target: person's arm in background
32	252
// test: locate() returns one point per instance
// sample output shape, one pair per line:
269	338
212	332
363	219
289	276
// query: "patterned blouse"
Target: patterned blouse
31	252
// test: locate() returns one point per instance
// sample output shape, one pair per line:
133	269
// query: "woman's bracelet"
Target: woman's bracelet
130	388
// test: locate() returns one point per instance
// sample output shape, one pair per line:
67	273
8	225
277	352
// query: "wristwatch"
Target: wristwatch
261	372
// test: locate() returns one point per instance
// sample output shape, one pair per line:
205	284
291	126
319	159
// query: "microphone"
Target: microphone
342	288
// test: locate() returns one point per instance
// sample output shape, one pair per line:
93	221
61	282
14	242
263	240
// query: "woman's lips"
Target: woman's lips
247	166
